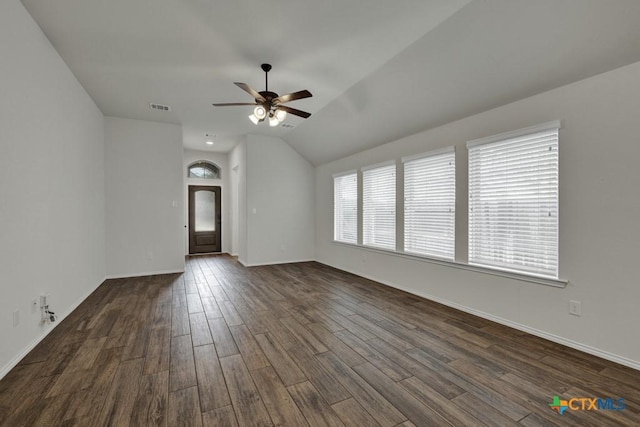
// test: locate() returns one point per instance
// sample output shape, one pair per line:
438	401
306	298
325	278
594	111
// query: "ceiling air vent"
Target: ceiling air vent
159	107
287	126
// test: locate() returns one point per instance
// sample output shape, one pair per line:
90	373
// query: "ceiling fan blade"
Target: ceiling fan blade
245	87
293	111
231	104
292	97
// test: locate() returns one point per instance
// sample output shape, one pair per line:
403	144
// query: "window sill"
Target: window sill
557	283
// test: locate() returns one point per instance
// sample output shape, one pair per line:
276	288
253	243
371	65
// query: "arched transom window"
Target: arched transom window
203	170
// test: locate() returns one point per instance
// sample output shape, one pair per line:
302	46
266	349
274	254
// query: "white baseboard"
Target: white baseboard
258	264
524	328
537	332
149	273
13	362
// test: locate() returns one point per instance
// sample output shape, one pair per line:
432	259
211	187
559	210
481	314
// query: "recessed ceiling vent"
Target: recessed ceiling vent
287	126
159	107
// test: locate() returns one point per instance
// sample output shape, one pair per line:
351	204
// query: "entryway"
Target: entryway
204	219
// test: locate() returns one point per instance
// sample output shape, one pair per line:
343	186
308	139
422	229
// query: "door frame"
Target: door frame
191	191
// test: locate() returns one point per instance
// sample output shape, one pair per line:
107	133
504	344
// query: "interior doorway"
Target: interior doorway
205	219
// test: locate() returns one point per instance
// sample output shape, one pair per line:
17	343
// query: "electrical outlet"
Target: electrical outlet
575	308
43	301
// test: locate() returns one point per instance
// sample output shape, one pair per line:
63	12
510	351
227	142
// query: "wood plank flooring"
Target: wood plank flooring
296	345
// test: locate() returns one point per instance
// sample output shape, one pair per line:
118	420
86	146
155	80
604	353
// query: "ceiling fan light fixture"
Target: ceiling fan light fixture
267	103
281	115
260	112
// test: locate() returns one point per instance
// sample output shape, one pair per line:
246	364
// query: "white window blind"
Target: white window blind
429	204
345	208
379	206
513	201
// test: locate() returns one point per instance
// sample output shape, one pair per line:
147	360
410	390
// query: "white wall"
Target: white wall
599	212
144	197
272	202
51	184
280	203
238	200
222	161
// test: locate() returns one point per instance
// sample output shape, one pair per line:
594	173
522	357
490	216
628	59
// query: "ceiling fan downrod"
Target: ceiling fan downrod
266	68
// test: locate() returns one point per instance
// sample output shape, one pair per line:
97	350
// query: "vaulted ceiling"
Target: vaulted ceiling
378	70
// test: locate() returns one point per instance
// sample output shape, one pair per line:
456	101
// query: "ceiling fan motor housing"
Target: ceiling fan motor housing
268	95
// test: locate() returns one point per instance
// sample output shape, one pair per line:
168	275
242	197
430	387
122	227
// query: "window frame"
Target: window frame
205	164
444	222
336	228
531	263
378	216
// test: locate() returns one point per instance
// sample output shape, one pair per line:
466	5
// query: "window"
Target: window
345	208
379	206
513	201
204	170
430	203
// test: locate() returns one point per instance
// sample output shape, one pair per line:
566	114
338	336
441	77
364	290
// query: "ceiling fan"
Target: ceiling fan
269	104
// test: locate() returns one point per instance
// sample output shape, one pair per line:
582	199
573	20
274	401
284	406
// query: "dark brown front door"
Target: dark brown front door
204	219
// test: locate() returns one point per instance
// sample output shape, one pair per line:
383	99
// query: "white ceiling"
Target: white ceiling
378	69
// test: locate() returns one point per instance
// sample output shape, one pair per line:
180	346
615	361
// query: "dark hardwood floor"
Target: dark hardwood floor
296	344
